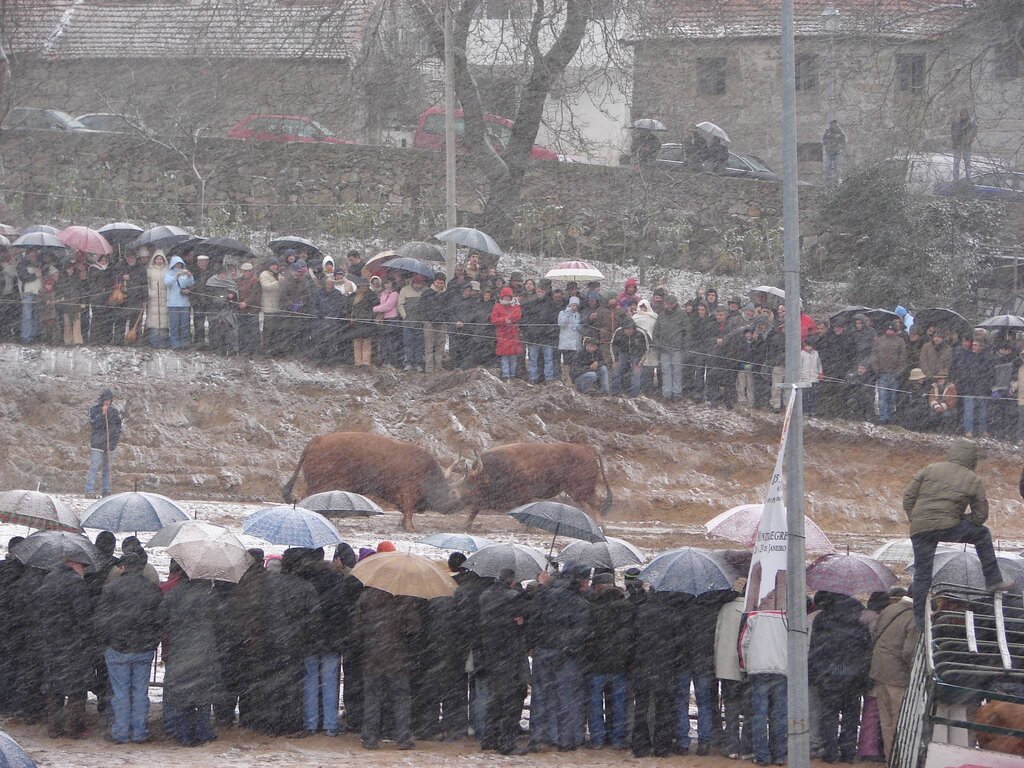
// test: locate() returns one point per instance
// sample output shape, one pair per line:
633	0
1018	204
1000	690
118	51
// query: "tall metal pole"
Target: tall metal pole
451	204
796	581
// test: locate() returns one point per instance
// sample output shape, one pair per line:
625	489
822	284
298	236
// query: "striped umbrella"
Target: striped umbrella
37	510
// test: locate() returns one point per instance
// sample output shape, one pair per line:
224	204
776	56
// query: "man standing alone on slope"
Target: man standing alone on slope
105	432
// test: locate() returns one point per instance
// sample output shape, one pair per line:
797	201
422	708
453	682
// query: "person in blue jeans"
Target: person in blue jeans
104	435
608	652
128	625
630	347
589	370
179	282
764	656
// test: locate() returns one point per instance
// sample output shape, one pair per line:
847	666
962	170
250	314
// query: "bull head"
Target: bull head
448	472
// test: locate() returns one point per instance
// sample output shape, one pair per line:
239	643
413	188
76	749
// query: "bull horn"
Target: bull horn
448	472
479	462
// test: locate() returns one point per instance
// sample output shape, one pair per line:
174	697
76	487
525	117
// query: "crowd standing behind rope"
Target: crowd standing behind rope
299	646
731	354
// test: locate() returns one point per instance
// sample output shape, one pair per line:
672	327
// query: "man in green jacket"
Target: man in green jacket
936	501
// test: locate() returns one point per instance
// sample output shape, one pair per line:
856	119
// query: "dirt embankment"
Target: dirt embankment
199	426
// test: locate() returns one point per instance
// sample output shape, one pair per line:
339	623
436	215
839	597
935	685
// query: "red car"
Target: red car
282	128
430	133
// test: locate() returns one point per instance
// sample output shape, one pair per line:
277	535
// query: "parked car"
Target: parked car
109	122
991	185
924	171
740	166
41	119
283	128
430	133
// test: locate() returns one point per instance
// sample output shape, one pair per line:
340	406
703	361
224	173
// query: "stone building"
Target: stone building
893	72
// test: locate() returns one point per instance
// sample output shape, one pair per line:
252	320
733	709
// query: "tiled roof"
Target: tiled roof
187	28
704	19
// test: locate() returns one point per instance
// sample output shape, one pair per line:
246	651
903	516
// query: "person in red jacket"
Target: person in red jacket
505	317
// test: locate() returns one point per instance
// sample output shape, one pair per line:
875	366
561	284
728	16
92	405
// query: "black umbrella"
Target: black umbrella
226	245
185	245
281	244
341	504
490	561
558	518
845	315
12	755
38	240
1002	323
162	236
688	570
420	250
941	317
37	228
51	549
120	232
879	317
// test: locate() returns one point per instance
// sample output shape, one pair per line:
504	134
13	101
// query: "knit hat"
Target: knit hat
365	552
385	546
506	293
574	300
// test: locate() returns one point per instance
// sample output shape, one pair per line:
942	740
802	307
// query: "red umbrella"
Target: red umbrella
85	239
849	575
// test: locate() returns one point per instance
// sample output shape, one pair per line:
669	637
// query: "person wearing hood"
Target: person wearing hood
895	636
936	503
646	318
104	435
630	292
178	281
570	324
221	294
505	318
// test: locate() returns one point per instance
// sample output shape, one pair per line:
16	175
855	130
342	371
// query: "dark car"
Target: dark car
738	166
991	185
40	119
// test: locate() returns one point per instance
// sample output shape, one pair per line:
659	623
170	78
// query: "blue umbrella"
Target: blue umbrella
12	755
688	570
293	526
341	504
463	542
471	238
411	265
133	511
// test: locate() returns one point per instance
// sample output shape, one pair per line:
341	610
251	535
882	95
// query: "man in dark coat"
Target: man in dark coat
697	665
838	353
63	618
128	629
975	377
384	623
245	611
467	617
503	661
104	435
609	653
539	329
12	638
655	673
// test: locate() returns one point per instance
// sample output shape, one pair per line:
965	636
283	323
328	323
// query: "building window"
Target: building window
711	76
806	72
1009	63
910	73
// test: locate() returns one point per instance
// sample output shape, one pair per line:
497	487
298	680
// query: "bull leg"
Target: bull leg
473	512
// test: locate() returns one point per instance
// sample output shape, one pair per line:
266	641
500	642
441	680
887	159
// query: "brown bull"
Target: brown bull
1006	715
515	474
391	470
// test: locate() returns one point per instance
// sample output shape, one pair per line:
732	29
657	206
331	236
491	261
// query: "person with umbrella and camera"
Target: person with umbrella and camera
104	435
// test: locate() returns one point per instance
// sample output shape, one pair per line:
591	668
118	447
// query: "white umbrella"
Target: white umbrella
741	524
205	555
574	270
649	124
469	237
168	535
710	130
769	289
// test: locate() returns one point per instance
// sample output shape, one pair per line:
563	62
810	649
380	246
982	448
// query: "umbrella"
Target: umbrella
294	526
376	262
37	510
557	518
1004	322
169	533
610	553
403	573
85	239
12	755
845	315
120	232
179	248
962	569
942	318
282	244
771	290
38	240
161	236
527	562
46	229
880	317
411	265
210	554
471	238
341	504
51	549
849	575
4	242
463	542
710	131
8	230
417	249
229	245
1012	568
648	124
898	553
689	570
741	524
574	270
133	511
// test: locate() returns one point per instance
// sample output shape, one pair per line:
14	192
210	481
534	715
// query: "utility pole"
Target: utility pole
451	203
799	749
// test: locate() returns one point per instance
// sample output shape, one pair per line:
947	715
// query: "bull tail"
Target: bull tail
606	505
286	491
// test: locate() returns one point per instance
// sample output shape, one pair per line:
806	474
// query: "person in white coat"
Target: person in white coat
735	688
569	334
764	657
645	318
157	319
811	374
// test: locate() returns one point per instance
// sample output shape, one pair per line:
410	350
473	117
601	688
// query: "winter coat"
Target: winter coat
658	632
963	131
30	277
701	618
156	291
192	676
433	306
336	604
839	653
763	644
128	615
646	319
976	374
387	305
270	292
610	641
70	289
889	354
505	319
626	347
775	348
179	283
101	281
408	302
810	367
62	615
502	648
298	292
672	331
896	638
838	353
466	611
935	360
360	314
727	638
583	359
136	287
561	620
570	325
104	431
540	323
385	624
939	494
250	292
864	339
833	141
